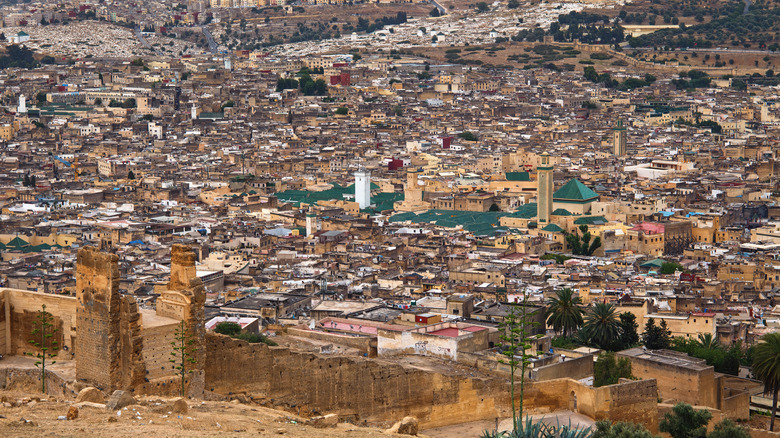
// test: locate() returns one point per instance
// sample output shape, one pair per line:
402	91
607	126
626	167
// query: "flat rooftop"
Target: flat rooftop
667	357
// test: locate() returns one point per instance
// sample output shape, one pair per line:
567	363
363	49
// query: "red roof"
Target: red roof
649	228
449	332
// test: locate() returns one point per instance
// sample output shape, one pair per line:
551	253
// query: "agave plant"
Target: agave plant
540	429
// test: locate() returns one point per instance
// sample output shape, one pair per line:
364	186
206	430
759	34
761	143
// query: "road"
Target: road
143	41
212	43
714	50
442	9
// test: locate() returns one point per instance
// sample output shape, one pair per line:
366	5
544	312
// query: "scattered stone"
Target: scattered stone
62	417
73	413
407	426
90	394
179	406
120	399
328	420
280	431
85	404
32	404
112	419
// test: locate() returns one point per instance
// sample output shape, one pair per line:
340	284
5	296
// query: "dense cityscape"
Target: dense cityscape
347	219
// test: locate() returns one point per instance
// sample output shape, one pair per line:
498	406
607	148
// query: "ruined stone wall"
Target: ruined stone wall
360	343
185	300
367	390
97	291
691	385
5	334
19	315
634	401
108	327
577	368
157	351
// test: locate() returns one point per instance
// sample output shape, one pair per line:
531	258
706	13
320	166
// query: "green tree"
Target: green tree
514	336
40	97
728	429
685	422
605	429
668	268
183	353
468	136
228	328
513	4
608	369
656	337
766	367
564	313
131	175
482	7
629	336
707	341
342	111
601	326
43	339
581	245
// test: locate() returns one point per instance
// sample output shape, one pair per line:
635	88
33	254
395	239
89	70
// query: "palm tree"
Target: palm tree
564	313
707	341
602	326
766	366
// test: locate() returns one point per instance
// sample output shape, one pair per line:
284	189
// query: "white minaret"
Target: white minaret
310	224
228	64
194	112
363	188
22	104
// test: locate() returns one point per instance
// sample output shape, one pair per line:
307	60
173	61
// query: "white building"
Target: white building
363	188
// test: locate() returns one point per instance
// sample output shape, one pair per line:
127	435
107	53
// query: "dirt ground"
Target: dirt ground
151	418
475	429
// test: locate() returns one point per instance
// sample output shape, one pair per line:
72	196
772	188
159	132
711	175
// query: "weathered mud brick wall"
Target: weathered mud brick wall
19	316
183	300
367	390
106	356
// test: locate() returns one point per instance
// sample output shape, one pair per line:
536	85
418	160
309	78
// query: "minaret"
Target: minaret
22	105
544	190
311	224
619	139
193	112
363	188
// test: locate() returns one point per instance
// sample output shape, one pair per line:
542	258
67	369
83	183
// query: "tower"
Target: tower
544	190
22	104
619	139
363	188
193	112
310	224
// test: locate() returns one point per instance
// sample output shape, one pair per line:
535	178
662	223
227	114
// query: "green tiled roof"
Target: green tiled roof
527	211
561	212
477	223
575	191
553	228
591	220
518	176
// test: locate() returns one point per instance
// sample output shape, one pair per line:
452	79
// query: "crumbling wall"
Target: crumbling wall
20	313
577	368
109	341
634	401
367	390
5	334
184	300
